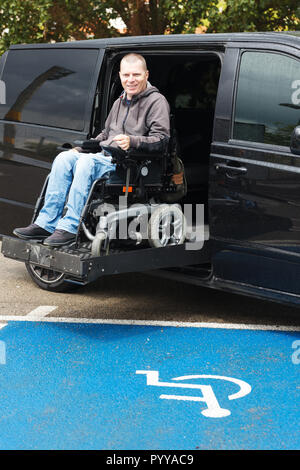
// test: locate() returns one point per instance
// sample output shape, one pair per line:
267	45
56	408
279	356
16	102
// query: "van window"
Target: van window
48	86
268	98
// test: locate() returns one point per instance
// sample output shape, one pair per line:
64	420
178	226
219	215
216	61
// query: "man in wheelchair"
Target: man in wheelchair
137	129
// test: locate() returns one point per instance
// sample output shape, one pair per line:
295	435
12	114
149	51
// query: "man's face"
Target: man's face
133	77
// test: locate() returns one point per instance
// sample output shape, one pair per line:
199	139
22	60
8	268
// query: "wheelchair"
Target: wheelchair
135	205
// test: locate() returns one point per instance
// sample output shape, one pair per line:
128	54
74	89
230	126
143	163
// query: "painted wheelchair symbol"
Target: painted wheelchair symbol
213	409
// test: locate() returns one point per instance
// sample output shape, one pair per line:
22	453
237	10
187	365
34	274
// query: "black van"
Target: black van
235	99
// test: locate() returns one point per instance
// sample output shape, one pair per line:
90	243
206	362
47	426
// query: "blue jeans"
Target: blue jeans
71	177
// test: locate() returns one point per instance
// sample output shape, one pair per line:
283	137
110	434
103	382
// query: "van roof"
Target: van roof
288	38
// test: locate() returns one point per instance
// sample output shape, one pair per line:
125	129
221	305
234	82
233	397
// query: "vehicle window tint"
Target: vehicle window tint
193	84
48	86
268	98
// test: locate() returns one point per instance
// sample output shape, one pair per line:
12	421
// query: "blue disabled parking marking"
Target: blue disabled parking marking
110	386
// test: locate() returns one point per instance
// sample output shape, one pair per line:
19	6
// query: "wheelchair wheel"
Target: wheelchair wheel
48	279
166	226
98	244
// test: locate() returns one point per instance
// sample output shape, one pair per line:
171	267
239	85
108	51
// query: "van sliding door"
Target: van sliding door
255	179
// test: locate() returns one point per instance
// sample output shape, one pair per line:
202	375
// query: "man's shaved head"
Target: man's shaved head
133	74
132	58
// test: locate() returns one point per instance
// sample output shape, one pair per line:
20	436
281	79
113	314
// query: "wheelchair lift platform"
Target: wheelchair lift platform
80	266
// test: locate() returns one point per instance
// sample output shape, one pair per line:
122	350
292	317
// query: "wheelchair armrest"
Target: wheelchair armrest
118	155
91	146
78	143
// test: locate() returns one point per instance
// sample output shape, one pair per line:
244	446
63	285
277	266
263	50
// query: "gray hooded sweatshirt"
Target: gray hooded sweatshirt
146	119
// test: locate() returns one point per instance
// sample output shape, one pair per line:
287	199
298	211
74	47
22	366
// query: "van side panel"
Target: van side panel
49	99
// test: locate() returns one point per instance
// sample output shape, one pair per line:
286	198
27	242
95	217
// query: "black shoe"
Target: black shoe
32	232
60	238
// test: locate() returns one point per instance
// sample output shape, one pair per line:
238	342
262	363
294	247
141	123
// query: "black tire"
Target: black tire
49	280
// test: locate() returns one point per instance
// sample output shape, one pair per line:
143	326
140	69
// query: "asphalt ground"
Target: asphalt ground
138	296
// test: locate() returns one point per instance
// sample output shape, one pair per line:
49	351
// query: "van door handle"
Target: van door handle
224	167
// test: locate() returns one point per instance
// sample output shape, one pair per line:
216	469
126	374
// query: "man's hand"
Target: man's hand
122	141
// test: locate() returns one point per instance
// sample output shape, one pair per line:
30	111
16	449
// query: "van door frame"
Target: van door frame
165	48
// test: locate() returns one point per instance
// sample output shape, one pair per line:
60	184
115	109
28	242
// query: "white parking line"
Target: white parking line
33	316
41	311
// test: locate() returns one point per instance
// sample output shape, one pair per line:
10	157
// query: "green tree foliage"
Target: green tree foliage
22	21
32	21
160	16
78	19
254	15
